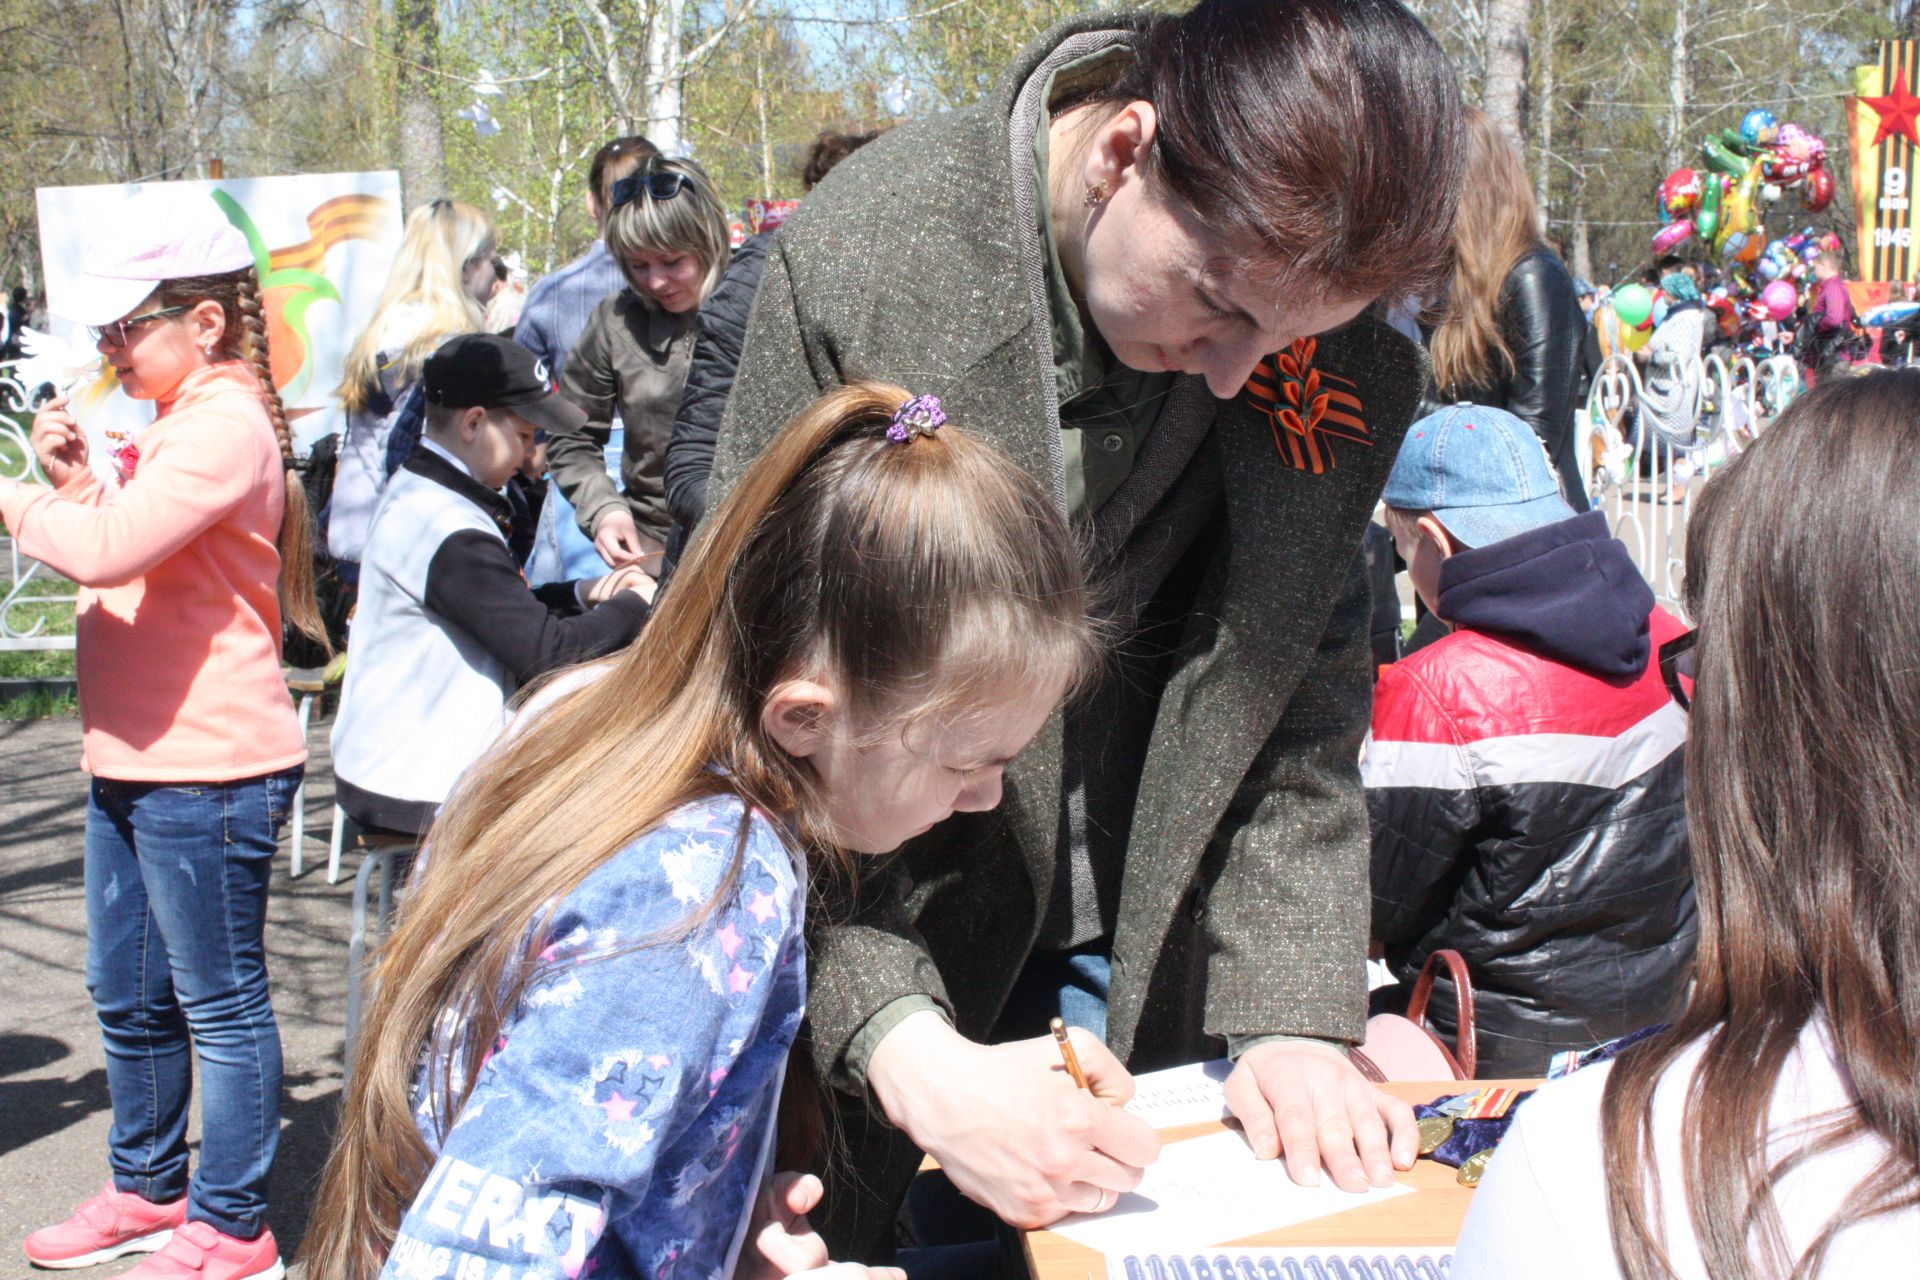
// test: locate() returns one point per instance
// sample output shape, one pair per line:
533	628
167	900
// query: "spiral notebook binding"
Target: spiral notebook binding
1357	1263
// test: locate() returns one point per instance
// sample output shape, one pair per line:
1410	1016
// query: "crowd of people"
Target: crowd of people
1823	331
948	614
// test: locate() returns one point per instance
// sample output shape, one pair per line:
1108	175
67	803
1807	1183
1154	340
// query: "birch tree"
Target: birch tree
1504	96
421	141
1679	81
673	47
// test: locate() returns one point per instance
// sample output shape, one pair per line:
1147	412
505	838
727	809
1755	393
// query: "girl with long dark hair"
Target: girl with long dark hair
1774	1129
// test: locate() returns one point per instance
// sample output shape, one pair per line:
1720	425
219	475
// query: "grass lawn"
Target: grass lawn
28	663
35	663
40	705
13	453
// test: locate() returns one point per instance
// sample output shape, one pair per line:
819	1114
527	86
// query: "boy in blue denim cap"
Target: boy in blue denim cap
1524	774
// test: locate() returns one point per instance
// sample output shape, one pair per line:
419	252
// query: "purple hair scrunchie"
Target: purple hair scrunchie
920	416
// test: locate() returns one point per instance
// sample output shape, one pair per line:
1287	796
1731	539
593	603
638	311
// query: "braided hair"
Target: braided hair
245	338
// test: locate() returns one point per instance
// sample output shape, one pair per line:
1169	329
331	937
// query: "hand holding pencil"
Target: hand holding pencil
1009	1123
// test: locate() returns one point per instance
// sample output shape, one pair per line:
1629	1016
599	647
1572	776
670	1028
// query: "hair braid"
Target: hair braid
298	604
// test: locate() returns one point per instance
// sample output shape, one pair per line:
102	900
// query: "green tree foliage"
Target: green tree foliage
1598	118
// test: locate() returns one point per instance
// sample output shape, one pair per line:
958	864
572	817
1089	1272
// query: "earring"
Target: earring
1096	194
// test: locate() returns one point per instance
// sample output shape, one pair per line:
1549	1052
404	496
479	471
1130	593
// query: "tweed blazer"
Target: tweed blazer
1244	898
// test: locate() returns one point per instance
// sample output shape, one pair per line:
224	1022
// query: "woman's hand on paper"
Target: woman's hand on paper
1304	1100
1006	1122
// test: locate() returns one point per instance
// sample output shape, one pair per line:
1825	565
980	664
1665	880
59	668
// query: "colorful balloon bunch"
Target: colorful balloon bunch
1625	319
1791	257
1747	167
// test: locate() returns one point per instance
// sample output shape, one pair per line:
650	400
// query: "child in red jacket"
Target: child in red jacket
1524	774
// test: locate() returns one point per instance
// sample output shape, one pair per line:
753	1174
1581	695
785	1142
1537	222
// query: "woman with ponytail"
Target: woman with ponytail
188	733
582	1022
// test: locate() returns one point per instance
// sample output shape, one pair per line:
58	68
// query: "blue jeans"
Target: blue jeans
177	967
561	553
1071	985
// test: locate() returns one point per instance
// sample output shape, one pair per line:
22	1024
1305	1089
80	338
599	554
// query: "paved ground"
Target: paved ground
53	1090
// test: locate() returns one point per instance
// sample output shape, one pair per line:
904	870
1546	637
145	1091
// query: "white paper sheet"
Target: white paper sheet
1209	1191
1192	1094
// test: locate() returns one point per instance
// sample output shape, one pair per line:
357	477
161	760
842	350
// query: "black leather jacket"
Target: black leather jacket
1526	783
1544	327
716	357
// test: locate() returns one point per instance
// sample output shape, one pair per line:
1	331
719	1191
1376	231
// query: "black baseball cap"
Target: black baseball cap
488	371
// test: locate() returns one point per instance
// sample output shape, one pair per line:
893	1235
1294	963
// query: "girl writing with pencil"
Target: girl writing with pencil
576	1054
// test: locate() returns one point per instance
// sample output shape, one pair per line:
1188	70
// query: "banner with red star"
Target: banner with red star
1883	126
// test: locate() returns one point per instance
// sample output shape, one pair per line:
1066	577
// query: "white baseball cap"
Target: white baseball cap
153	237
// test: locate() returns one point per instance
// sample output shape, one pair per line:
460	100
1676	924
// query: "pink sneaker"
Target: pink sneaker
106	1226
200	1251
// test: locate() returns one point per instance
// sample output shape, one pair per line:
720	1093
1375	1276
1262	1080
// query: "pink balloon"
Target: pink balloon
1779	299
1672	236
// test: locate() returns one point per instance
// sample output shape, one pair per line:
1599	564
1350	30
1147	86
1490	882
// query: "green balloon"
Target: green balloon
1723	157
1706	219
1633	304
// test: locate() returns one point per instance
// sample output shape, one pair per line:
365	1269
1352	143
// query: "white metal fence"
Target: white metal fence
28	582
1646	478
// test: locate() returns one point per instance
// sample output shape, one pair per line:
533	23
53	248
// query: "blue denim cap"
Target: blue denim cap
1481	471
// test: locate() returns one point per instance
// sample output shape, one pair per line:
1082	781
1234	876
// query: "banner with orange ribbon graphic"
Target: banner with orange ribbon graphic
1883	129
322	244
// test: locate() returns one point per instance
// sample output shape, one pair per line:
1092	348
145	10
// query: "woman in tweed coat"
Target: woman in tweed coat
1146	265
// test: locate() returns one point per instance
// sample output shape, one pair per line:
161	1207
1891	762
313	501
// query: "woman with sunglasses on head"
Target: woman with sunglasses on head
186	569
437	287
1774	1129
669	233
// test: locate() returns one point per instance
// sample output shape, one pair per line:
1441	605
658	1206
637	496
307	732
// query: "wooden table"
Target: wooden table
1430	1216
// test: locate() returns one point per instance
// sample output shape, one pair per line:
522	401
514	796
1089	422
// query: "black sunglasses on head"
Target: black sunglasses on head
659	184
1677	660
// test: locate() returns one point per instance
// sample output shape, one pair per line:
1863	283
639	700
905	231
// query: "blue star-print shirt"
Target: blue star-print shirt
622	1122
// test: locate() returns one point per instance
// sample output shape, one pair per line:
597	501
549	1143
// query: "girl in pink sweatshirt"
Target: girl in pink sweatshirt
187	729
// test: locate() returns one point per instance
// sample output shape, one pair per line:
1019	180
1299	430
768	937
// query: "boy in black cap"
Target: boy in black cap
447	629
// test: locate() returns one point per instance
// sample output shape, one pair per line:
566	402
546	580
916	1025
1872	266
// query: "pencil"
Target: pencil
1067	1055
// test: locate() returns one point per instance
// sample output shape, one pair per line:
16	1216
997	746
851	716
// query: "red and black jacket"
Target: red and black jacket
1525	781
